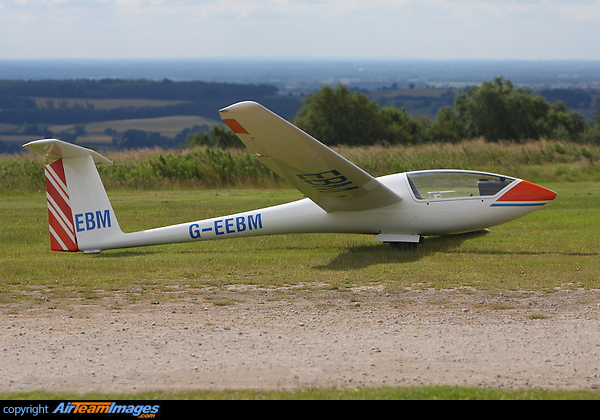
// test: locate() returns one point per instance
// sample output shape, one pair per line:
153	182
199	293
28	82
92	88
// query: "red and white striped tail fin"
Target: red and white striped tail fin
60	215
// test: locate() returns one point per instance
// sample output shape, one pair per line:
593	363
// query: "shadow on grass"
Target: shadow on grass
125	253
367	255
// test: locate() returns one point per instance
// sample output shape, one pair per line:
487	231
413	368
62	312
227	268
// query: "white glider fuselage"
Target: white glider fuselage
404	221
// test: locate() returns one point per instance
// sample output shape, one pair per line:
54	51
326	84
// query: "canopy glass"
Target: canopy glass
444	184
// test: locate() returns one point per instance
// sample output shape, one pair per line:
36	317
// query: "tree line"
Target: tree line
495	111
202	98
131	89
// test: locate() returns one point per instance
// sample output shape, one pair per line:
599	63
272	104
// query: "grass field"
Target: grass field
386	393
556	247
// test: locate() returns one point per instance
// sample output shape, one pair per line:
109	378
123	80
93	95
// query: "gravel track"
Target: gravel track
292	338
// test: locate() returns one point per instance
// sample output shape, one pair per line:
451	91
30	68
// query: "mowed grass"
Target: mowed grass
357	394
556	247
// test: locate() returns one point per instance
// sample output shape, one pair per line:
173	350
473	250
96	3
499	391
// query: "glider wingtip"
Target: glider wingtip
241	106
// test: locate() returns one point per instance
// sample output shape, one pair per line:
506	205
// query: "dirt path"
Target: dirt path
274	339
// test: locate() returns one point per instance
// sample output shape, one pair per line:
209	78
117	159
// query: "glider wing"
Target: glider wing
328	179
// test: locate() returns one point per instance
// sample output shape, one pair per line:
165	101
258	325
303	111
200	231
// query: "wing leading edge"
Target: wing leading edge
328	179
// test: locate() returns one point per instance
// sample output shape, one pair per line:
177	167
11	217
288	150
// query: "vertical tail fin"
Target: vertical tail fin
80	215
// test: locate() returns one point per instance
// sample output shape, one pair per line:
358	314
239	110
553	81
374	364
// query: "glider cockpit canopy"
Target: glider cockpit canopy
452	184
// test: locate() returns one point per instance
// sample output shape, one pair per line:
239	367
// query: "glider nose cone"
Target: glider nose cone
545	193
528	191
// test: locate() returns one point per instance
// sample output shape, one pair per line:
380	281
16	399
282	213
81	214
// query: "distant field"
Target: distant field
166	126
6	127
101	103
19	138
416	102
95	132
430	93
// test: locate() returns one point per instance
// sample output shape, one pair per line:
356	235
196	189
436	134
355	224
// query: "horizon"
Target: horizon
297	58
302	73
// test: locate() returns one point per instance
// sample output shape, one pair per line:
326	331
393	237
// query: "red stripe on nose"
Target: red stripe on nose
528	191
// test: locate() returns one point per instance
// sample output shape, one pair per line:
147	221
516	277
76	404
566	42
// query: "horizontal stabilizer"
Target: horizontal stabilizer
54	149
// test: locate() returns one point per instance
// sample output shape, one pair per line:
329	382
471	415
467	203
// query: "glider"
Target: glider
340	197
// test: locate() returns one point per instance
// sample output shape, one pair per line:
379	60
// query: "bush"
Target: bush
200	168
591	135
20	173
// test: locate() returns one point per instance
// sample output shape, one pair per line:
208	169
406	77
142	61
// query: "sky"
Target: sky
398	29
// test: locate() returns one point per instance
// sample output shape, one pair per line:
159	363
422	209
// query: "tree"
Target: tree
447	127
340	116
498	111
399	128
490	111
592	132
563	124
